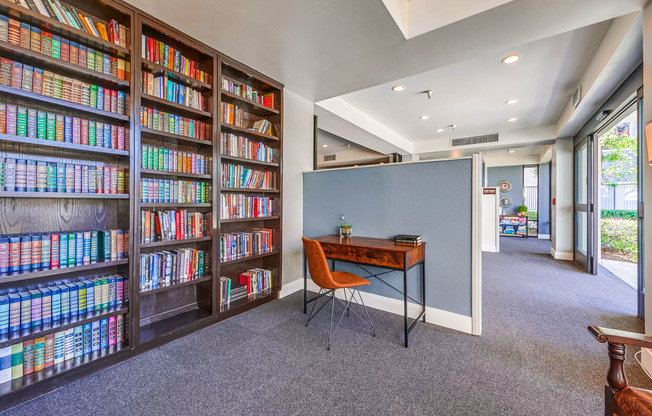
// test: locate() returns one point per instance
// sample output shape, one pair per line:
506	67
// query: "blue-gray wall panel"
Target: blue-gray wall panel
544	198
514	174
432	199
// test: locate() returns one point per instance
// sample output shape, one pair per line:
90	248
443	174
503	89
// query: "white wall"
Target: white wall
562	191
297	158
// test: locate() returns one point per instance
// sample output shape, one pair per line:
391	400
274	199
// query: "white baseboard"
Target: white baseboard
490	247
560	255
544	236
434	316
291	287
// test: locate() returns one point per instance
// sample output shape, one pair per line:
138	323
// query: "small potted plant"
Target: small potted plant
522	209
345	229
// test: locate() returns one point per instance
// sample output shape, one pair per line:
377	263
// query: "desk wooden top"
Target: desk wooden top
372	251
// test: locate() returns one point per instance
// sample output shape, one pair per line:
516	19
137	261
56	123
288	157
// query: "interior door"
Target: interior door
583	207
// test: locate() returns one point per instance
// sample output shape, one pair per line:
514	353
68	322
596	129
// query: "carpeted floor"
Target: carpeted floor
534	357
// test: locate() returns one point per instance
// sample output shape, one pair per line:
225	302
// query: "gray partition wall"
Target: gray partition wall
432	199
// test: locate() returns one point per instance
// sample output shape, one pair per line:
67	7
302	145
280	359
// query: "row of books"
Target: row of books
163	87
30	175
33	252
239	146
38	124
171	160
41	82
112	31
238	176
245	206
248	93
253	282
241	244
233	115
41	41
168	268
34	310
171	123
165	55
55	350
173	191
173	225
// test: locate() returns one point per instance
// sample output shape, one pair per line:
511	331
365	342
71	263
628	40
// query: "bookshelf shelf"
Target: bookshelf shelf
166	327
260	191
176	107
14	92
58	272
249	161
189	81
177	286
175	242
155	134
249	105
176	174
69	147
229	220
64	30
242	303
60	195
176	204
248	258
43	330
246	131
40	59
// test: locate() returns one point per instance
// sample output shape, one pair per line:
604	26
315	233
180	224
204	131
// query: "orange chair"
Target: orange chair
329	282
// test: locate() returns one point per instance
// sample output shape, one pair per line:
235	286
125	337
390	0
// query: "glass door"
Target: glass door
641	240
583	250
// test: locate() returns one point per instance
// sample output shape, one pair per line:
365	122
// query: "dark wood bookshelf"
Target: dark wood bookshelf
42	99
41	60
248	104
175	107
59	195
246	131
235	159
23	277
43	330
176	174
161	135
270	218
175	242
176	286
246	259
68	147
155	68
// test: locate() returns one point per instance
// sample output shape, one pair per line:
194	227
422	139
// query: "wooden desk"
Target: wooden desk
376	252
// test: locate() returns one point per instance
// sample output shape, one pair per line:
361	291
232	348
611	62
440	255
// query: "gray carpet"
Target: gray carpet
535	357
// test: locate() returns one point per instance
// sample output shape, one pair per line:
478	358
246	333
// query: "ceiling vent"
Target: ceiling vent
467	141
329	158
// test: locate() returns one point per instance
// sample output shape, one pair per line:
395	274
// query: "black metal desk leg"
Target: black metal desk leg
423	287
405	307
305	283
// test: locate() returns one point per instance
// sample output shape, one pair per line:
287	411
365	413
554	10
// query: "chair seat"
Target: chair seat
632	401
346	279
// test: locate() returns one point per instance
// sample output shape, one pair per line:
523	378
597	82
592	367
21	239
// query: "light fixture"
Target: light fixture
512	101
648	141
398	88
511	120
440	130
324	145
511	150
510	59
424	117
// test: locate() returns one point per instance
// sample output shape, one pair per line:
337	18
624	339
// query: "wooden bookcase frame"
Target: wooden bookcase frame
14	392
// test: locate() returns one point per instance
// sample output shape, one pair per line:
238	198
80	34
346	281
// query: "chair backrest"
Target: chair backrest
317	264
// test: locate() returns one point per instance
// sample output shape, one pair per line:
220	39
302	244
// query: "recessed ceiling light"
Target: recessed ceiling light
398	88
512	101
511	59
424	117
511	120
511	150
440	130
324	145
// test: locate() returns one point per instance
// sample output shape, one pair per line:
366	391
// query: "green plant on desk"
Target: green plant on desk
345	229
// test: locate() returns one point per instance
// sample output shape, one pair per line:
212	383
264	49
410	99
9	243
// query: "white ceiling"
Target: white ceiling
472	94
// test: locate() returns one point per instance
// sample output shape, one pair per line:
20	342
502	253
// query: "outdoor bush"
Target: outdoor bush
618	213
620	235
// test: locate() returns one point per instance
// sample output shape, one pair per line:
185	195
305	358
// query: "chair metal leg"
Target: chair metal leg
330	326
311	315
366	312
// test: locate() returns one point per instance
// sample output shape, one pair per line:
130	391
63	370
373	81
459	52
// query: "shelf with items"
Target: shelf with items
174	138
513	225
154	68
23	277
176	286
251	106
246	131
249	219
68	147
